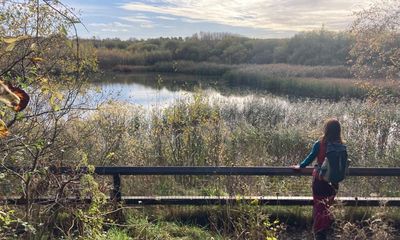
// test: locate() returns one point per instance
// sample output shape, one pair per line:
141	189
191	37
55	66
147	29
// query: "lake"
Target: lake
153	89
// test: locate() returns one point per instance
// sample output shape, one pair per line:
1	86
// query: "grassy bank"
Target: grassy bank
325	82
209	68
252	222
296	81
186	67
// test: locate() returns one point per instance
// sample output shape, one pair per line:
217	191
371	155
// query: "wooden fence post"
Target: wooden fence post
117	198
116	192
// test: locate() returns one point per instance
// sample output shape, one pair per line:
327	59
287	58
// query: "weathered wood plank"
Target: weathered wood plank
221	200
257	171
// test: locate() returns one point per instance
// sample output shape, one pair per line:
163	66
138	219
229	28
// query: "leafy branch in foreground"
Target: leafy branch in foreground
376	49
38	55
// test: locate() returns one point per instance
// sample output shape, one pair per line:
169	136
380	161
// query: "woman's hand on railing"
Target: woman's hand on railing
296	167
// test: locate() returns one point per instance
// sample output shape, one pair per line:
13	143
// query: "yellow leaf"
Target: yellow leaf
9	40
34	47
45	89
63	30
110	155
43	80
3	129
58	95
15	39
10	47
36	59
254	202
56	107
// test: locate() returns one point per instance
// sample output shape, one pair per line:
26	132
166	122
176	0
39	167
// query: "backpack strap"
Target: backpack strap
320	159
322	152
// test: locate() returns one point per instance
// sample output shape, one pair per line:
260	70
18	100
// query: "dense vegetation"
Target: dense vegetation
258	131
315	64
376	49
38	55
320	47
281	66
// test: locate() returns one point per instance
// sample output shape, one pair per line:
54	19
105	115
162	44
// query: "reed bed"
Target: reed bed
259	131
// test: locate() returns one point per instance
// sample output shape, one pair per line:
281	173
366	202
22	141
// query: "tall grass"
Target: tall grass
297	81
143	226
200	131
189	67
186	67
257	132
297	71
270	70
110	58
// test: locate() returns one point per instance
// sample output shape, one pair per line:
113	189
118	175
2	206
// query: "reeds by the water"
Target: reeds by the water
255	132
261	131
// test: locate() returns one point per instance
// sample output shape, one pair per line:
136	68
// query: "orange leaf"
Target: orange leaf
22	95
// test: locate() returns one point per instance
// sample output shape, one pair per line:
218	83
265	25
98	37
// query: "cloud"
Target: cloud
166	18
114	30
142	22
140	16
110	27
147	25
134	19
188	20
283	15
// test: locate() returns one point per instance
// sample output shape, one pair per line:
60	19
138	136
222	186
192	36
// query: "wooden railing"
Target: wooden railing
117	196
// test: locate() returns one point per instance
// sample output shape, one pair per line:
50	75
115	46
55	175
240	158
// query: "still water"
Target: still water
139	94
152	89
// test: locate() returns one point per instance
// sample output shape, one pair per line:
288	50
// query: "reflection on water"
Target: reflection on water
137	93
152	89
148	89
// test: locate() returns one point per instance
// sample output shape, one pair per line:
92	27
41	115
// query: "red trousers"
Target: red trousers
323	196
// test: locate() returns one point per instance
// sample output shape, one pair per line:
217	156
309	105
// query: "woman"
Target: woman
323	192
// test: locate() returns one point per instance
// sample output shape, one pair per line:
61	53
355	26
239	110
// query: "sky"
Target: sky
143	19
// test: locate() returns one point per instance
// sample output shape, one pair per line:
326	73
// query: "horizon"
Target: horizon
260	19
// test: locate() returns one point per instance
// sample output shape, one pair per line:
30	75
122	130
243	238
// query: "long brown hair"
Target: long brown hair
332	131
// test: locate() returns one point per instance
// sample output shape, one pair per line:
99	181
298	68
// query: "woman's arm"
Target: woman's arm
313	154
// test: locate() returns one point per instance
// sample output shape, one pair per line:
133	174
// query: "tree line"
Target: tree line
318	47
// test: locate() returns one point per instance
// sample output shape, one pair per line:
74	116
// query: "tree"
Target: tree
38	55
319	47
376	49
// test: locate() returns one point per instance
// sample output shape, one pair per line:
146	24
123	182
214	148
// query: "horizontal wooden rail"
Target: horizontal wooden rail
221	200
117	172
260	171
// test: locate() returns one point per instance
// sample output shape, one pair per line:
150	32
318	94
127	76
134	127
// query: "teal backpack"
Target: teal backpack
336	164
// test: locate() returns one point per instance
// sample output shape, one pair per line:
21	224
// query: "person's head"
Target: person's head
332	131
